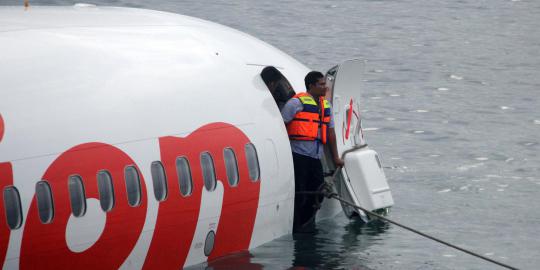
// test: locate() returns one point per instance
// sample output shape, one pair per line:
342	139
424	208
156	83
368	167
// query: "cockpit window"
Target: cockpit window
279	86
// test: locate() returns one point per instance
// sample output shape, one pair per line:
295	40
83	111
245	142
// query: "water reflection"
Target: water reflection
373	228
240	261
331	248
337	244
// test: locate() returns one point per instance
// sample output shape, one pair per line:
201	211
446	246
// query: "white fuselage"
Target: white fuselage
86	89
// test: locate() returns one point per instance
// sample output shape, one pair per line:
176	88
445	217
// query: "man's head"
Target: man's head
315	84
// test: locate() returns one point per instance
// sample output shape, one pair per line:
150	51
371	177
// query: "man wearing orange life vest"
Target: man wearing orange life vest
310	125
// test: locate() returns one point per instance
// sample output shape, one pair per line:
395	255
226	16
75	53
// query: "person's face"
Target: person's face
319	88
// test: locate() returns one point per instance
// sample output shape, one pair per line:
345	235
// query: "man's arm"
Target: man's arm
333	147
291	108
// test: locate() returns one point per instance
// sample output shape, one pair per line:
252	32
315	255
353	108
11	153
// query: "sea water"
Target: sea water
450	100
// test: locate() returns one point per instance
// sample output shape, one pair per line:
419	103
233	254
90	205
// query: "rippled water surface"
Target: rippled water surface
451	103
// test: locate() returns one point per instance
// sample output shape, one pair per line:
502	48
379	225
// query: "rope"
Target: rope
326	190
337	197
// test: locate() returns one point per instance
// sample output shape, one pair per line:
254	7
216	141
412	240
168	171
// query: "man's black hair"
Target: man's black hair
270	74
312	78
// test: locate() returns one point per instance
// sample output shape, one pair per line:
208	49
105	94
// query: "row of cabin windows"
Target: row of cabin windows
183	172
12	200
105	189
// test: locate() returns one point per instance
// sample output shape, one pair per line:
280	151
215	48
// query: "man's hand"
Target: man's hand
339	162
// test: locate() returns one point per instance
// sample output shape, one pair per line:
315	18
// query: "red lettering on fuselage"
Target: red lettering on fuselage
44	245
6	179
240	203
1	128
178	215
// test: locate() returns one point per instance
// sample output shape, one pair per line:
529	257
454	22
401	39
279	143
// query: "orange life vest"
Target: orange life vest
306	123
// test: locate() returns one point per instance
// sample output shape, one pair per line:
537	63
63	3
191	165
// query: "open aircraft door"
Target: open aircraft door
362	180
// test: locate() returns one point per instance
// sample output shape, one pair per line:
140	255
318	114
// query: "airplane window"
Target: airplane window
76	195
133	185
184	176
278	85
159	180
44	202
106	191
209	173
253	162
12	204
231	166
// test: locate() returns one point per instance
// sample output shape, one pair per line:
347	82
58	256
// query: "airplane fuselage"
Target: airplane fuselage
137	139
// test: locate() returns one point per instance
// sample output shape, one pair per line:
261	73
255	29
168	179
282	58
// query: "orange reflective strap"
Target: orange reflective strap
323	126
326	120
323	133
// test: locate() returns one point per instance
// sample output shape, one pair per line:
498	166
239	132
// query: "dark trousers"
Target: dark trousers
308	176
